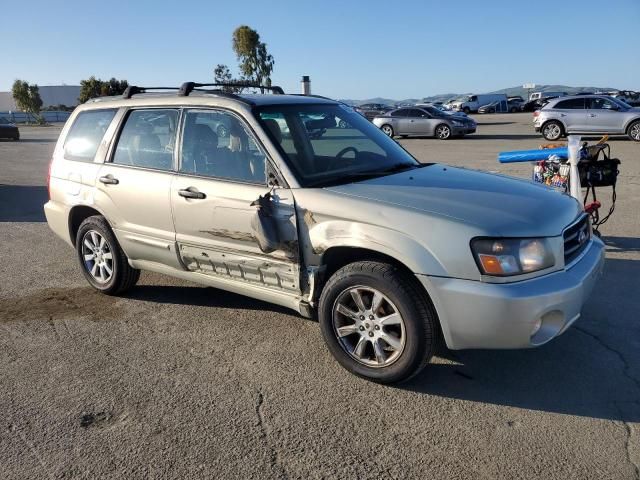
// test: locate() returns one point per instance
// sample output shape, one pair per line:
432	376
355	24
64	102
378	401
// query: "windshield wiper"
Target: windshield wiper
359	176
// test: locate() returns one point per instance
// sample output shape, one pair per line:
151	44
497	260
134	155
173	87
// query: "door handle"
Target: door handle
592	115
191	193
109	180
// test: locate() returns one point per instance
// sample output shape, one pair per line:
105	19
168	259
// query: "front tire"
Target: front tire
443	132
466	110
388	130
377	322
552	130
634	131
103	263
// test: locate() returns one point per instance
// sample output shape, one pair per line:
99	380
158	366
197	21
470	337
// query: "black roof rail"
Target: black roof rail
132	90
187	87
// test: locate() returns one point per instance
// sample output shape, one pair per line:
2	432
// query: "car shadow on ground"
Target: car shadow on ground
201	297
591	370
490	136
622	244
480	122
22	203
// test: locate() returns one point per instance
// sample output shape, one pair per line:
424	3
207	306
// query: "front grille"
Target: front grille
576	237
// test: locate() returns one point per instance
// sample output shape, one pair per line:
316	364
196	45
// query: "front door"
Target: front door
603	116
220	228
133	185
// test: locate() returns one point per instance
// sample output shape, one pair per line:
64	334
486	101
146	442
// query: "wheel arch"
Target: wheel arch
629	123
337	257
77	215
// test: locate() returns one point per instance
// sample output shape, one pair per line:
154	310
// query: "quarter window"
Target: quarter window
86	133
217	144
148	139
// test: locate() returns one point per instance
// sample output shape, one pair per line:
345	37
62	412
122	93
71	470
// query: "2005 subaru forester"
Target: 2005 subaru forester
265	196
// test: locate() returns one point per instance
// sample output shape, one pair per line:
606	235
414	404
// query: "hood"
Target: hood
495	204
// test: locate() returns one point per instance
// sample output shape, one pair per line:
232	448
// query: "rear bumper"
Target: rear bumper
58	220
488	315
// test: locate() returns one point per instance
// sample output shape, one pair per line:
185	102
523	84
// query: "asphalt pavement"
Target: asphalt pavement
175	380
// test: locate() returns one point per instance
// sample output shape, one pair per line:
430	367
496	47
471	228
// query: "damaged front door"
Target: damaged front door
222	228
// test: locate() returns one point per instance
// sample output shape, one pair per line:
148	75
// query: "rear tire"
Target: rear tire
404	315
466	110
103	263
387	129
552	130
634	131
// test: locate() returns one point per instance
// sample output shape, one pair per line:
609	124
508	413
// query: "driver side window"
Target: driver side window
217	144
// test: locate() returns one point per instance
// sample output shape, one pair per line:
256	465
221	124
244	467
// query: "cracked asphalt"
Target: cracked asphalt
180	381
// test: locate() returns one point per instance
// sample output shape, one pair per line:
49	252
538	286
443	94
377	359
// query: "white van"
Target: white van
471	103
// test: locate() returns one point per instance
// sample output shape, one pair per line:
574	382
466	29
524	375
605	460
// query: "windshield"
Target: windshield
329	144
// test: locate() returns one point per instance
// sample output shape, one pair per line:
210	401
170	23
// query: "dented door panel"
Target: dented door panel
217	234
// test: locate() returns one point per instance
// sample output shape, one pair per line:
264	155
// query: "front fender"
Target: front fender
340	233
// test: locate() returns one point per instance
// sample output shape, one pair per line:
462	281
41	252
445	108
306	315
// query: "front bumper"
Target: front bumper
477	314
463	130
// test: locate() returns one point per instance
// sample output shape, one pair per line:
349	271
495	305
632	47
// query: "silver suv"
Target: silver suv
341	223
587	114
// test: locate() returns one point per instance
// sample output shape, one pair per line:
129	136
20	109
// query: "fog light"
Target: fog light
536	327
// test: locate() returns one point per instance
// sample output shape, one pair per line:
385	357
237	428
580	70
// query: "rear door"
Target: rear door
133	185
219	230
572	114
603	116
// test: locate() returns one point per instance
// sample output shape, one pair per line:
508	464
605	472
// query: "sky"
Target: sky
351	50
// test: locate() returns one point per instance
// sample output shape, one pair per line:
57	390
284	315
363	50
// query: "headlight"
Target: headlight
503	257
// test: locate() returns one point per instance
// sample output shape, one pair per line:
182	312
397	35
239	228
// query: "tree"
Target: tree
222	74
255	63
27	98
94	87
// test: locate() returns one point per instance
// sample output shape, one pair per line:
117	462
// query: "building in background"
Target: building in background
51	95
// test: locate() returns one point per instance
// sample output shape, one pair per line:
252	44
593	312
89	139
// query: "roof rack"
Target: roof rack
133	90
188	87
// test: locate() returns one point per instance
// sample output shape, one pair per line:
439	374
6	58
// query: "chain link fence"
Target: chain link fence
48	116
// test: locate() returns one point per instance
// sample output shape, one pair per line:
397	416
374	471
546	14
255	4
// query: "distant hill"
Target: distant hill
511	91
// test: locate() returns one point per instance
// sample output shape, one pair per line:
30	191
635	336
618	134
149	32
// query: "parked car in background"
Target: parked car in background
516	97
502	106
471	103
587	114
9	130
405	122
533	105
370	110
538	95
433	108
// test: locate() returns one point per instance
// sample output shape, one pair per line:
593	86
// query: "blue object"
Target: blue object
532	155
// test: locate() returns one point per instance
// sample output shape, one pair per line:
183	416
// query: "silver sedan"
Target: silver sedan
424	121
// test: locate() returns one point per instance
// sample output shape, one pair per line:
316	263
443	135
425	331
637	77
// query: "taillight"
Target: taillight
49	179
536	113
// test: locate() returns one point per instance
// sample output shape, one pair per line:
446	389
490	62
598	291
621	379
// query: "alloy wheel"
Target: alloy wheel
369	326
97	256
635	132
443	132
387	130
552	131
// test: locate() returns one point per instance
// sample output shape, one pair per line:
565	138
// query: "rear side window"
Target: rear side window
573	104
148	139
403	112
86	133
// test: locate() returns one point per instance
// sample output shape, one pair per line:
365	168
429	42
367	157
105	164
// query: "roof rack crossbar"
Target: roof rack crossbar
188	87
132	90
